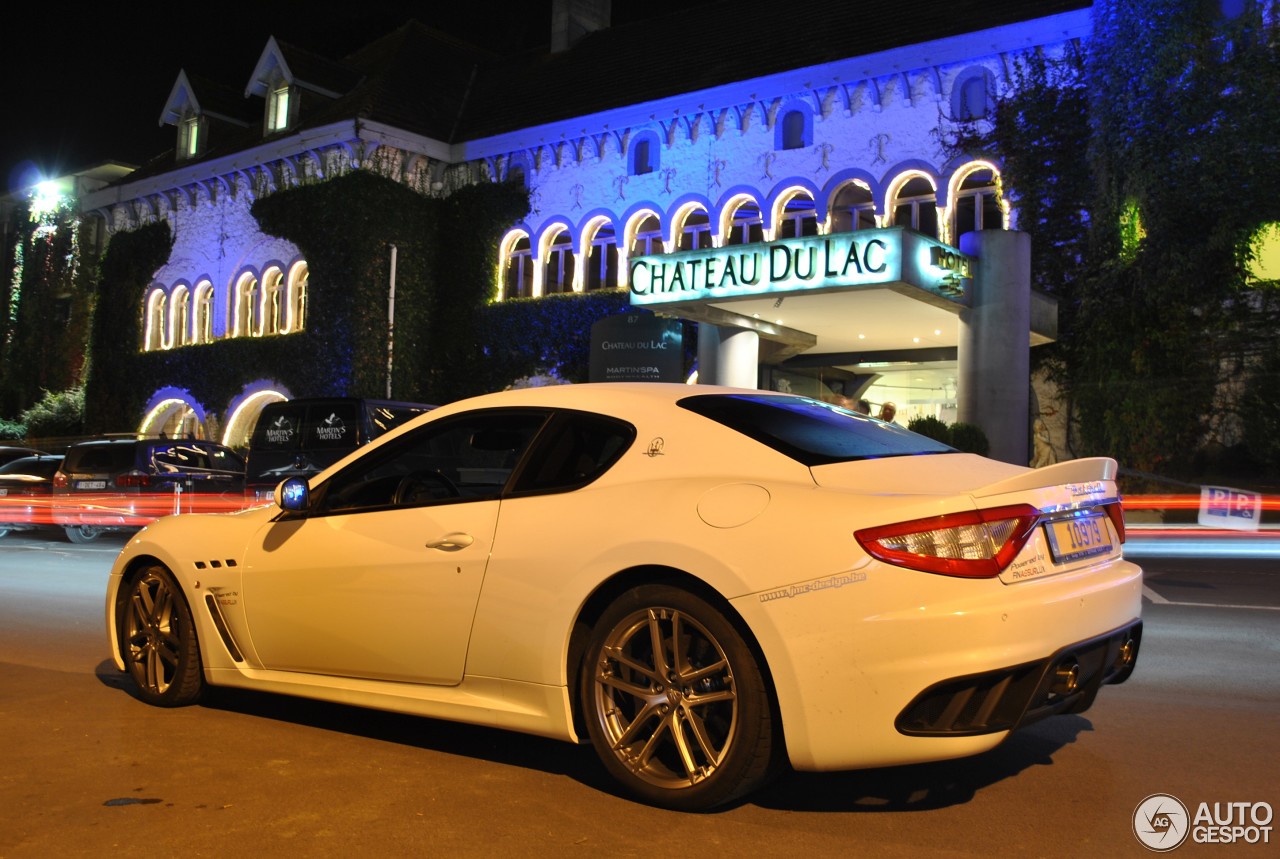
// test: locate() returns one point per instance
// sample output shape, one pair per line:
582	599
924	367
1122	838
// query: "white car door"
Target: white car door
380	579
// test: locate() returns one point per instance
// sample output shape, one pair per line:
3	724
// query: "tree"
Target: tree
1149	221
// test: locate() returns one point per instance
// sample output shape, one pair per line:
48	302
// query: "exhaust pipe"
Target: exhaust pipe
1128	652
1066	678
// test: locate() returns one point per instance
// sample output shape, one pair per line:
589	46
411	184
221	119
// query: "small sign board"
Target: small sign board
1236	509
637	347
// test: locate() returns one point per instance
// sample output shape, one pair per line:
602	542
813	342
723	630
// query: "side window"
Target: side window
467	458
577	450
179	457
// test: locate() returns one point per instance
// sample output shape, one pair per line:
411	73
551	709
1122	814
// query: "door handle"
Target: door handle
451	542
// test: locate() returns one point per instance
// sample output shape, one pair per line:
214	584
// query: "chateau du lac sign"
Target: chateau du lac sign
834	262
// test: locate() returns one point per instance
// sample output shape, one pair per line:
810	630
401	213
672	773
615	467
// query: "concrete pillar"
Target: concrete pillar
728	356
994	354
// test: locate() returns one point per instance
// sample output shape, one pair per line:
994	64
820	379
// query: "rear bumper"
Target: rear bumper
895	667
1010	698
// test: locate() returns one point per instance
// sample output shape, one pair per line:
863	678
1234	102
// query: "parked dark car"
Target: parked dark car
301	437
26	492
8	453
114	484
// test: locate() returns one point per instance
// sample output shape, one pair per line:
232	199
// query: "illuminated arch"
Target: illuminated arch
179	328
906	201
642	226
782	209
243	413
724	219
296	298
174	413
202	313
958	193
556	261
850	206
153	337
515	273
598	252
244	307
691	225
272	308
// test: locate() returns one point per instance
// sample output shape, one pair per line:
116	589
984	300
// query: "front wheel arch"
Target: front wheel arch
156	637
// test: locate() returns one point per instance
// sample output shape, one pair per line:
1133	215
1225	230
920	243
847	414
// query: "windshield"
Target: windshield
810	431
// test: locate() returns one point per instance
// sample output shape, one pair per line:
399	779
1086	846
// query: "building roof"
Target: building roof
420	80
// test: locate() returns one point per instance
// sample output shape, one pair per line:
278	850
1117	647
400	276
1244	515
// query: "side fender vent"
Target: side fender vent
220	623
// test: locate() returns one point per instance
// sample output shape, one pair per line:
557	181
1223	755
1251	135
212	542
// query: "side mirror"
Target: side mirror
293	494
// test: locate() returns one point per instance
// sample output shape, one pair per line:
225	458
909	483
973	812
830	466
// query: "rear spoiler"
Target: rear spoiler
1085	474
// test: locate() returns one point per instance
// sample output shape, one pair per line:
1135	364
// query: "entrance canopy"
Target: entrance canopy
884	303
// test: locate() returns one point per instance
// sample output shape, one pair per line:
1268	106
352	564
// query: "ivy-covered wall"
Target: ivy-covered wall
526	336
44	304
451	340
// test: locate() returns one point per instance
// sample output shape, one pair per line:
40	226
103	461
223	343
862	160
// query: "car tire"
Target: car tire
158	639
689	728
83	533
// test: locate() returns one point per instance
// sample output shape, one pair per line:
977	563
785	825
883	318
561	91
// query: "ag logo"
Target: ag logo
1161	822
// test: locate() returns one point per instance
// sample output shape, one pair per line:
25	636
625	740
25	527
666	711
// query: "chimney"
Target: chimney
573	19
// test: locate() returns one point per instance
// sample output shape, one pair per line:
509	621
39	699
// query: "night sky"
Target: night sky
80	85
83	87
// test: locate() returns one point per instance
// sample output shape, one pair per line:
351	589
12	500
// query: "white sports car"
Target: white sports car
707	583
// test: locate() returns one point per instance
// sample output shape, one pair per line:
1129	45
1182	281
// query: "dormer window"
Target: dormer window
278	109
190	137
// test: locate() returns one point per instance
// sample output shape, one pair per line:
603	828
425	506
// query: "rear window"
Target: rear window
105	458
278	429
809	431
43	466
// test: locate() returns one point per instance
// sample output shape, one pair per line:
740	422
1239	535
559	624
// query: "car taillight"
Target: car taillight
133	479
975	544
60	481
1116	513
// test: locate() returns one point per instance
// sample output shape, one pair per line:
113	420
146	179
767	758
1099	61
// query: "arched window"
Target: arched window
153	337
273	302
643	156
745	226
246	307
648	240
695	232
180	315
296	298
517	277
971	95
916	206
202	323
559	264
516	174
852	208
976	205
794	131
798	218
602	259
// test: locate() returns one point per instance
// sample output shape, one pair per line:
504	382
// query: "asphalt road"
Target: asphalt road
87	770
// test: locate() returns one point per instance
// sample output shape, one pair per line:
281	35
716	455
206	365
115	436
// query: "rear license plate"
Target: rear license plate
91	484
1078	537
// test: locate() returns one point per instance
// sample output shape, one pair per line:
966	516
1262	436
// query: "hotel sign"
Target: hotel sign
841	261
